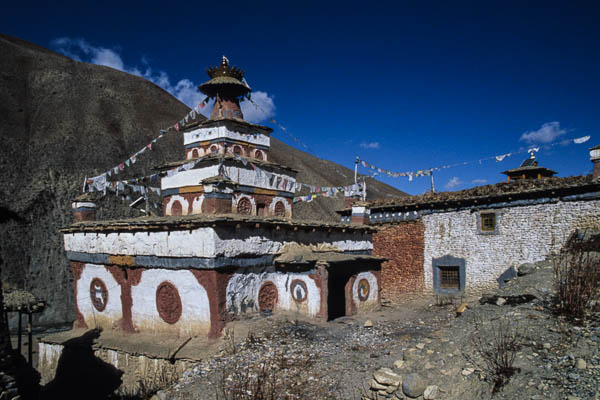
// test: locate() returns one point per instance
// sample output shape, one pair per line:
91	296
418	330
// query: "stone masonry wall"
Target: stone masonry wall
403	245
523	234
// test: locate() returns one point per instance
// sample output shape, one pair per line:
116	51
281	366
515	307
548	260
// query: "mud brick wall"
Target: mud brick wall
403	244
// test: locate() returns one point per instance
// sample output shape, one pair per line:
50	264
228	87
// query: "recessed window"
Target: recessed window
258	155
488	222
237	150
449	277
214	149
195	153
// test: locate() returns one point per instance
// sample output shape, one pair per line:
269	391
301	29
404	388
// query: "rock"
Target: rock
413	385
398	364
581	364
573	398
467	371
525	269
420	346
500	301
387	377
547	346
377	386
461	309
368	324
431	392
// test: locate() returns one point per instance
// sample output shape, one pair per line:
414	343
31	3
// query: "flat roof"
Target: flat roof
153	223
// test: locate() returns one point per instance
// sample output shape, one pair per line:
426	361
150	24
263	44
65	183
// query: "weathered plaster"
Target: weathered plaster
113	310
242	292
222	132
208	242
372	300
195	315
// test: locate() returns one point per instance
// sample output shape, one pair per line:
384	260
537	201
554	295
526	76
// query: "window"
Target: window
237	150
258	155
488	222
261	209
195	153
449	277
214	149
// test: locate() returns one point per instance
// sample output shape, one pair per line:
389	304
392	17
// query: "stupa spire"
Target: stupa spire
226	86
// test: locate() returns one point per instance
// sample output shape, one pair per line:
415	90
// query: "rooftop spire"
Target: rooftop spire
226	85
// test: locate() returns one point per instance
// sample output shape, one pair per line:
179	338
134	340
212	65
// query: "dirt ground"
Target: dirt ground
338	359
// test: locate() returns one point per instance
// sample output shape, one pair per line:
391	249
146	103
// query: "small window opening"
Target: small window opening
488	222
449	278
237	150
261	209
213	149
258	155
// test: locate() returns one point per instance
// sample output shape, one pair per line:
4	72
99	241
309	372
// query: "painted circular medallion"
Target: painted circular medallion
168	302
244	206
267	296
363	290
98	294
299	290
279	209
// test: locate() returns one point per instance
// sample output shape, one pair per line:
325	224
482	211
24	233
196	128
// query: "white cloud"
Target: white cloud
479	181
452	183
185	90
370	145
264	108
546	134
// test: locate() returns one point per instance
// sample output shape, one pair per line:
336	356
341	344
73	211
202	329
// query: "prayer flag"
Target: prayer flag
582	139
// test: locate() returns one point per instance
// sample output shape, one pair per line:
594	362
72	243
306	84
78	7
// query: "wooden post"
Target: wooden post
19	331
30	334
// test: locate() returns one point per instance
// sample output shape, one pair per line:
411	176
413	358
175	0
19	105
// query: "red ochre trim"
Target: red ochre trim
350	304
126	278
215	284
77	268
320	278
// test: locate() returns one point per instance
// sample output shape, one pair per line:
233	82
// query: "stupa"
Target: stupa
226	244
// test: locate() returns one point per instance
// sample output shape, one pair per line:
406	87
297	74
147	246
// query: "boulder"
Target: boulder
413	385
525	269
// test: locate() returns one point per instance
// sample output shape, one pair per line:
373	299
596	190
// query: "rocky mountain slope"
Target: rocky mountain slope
62	120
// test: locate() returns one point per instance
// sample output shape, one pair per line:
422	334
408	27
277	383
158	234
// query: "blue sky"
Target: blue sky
401	85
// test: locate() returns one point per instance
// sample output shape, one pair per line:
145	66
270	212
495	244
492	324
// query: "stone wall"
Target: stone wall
403	245
523	234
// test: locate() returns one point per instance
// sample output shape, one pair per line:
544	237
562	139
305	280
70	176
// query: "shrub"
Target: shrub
495	350
576	278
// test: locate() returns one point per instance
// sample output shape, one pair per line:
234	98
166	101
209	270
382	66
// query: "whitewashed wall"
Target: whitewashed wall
371	302
243	288
195	315
221	132
243	176
206	242
525	234
113	311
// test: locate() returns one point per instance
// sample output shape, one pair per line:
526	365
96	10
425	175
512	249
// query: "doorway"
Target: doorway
336	298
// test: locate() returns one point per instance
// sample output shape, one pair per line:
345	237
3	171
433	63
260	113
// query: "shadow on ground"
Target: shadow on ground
80	374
